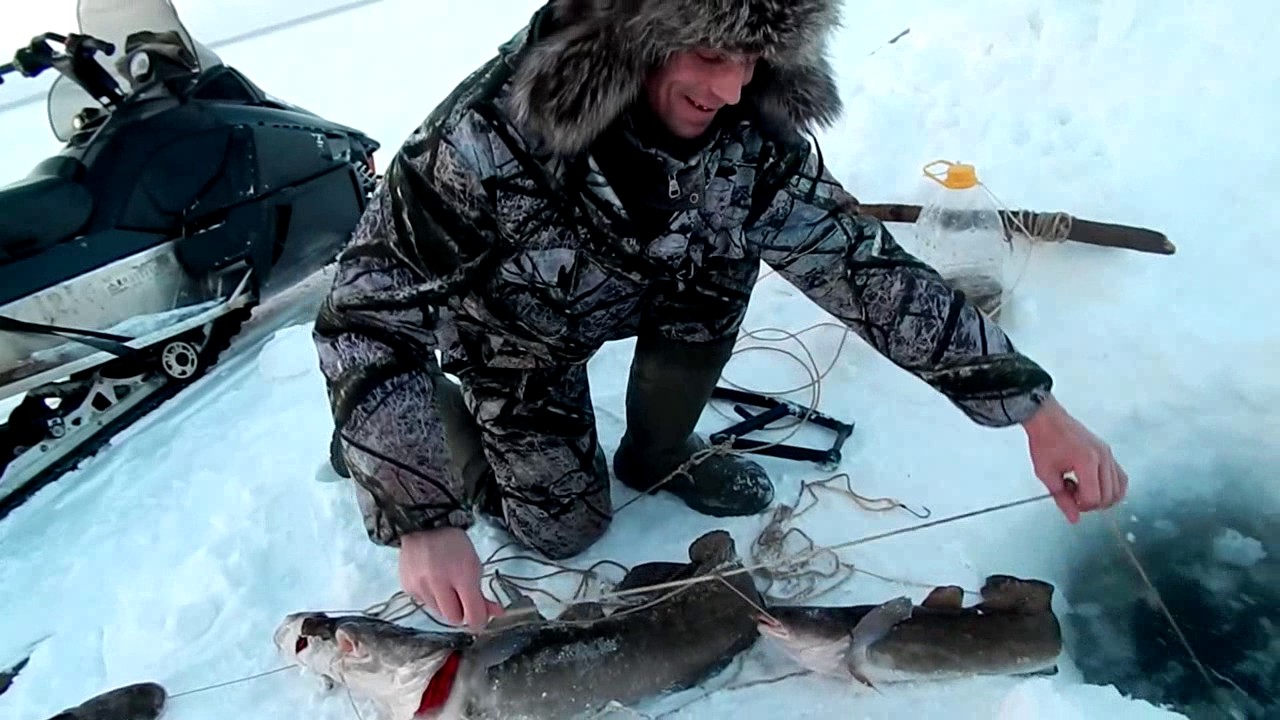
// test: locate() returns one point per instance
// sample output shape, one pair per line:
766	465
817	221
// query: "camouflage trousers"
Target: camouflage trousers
525	449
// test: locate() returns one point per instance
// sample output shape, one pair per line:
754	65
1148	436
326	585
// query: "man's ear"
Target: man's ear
348	646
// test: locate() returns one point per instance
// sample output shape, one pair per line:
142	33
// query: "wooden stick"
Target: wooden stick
1083	231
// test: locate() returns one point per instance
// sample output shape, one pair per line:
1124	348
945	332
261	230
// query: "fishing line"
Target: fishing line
1046	228
229	682
880	504
351	698
678	586
1051	228
725	447
749	601
770	545
681	585
1195	658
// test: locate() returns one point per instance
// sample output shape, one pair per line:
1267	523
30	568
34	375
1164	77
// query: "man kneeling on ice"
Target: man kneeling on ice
619	170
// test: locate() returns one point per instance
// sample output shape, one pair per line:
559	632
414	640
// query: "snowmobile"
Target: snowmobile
183	197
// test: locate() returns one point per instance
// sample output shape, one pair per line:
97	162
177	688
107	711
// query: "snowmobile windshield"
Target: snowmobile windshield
116	21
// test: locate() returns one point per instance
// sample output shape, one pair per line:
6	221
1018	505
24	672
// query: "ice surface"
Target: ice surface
280	359
174	553
1233	548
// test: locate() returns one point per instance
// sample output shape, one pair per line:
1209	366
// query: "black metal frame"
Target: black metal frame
776	410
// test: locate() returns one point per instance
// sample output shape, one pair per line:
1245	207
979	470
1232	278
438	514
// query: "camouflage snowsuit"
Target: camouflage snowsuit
496	239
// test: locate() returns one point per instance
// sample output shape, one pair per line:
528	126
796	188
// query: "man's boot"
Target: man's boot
141	701
669	386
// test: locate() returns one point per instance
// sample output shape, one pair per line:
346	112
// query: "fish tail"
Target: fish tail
871	628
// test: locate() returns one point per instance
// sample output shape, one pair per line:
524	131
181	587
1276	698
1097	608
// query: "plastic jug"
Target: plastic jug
961	235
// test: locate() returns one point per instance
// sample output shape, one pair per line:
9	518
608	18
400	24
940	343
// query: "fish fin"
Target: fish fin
521	612
583	611
497	646
716	553
945	597
857	675
871	628
513	592
348	644
712	549
1009	594
652	573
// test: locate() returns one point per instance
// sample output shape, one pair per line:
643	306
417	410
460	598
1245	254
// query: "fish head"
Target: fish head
817	643
388	663
308	639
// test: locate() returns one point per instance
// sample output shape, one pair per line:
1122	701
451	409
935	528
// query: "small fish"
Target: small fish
1013	631
573	666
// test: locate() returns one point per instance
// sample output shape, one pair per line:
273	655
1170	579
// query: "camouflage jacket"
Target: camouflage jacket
482	247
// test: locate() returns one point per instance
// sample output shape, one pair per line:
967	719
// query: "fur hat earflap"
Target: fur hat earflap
572	83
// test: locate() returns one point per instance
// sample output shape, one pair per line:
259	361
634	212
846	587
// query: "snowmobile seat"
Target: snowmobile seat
44	208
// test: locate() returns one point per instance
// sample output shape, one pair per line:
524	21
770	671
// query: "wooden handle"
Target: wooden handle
1083	231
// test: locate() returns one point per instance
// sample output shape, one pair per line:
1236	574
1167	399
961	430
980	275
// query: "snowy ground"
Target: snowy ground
173	554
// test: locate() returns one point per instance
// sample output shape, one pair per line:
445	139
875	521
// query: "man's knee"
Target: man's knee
559	514
562	540
550	478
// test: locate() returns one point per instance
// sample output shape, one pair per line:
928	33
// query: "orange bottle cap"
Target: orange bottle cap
959	176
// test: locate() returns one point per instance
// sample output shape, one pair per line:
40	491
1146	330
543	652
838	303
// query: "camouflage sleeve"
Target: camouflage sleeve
851	266
376	337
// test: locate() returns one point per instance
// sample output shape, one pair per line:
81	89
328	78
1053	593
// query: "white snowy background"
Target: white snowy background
172	555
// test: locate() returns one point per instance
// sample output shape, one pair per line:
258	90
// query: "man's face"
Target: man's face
688	91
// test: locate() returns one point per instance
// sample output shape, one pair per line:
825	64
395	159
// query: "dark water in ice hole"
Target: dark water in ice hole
1216	565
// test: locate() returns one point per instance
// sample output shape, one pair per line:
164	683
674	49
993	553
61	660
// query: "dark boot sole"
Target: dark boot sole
689	497
141	701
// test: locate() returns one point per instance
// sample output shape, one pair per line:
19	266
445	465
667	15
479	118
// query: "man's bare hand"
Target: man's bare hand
1059	444
440	569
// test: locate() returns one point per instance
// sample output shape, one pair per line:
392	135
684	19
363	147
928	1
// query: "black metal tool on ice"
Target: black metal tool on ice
775	410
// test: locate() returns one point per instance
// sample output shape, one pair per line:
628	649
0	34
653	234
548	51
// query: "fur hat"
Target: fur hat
572	83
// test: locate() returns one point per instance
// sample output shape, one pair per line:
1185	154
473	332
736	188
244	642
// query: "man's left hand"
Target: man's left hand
1059	445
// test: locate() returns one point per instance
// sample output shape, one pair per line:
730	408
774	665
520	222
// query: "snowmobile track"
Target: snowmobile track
224	332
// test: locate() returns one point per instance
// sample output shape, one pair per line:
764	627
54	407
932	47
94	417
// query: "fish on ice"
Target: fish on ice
573	666
668	640
1012	631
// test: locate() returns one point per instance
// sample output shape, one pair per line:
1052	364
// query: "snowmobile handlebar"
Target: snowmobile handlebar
39	56
77	63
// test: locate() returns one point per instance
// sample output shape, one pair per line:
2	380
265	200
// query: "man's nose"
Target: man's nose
728	80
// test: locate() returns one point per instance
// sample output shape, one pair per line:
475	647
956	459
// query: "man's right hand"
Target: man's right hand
440	569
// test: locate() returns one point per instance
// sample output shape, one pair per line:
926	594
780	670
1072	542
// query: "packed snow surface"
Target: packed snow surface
173	554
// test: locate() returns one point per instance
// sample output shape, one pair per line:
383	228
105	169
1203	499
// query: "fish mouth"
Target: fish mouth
286	635
769	625
290	636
